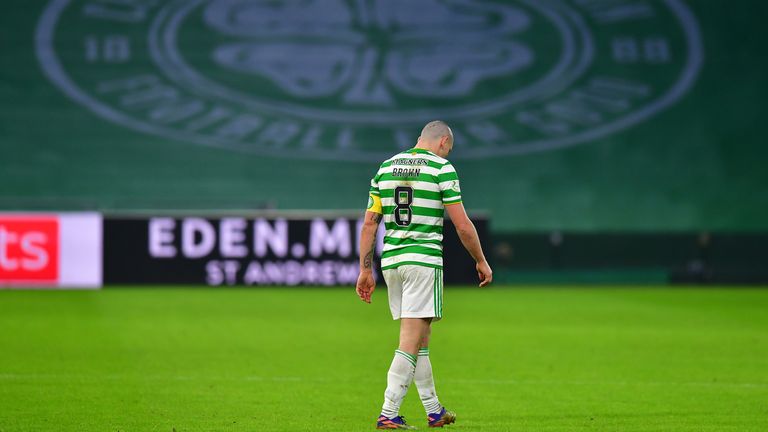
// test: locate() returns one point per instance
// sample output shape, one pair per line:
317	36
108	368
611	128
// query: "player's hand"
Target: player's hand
484	273
365	286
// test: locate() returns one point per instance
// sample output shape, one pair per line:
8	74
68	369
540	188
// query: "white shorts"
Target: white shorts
415	291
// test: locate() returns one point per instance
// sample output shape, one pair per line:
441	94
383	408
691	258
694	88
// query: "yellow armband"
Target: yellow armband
374	204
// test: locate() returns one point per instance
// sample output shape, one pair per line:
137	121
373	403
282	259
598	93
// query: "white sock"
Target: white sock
398	380
425	383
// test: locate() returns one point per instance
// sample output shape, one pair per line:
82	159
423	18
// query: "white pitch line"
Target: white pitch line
619	383
284	379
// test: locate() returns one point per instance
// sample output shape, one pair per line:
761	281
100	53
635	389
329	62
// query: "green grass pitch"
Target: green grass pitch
505	359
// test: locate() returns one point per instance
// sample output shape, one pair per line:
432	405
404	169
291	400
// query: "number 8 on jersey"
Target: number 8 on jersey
403	211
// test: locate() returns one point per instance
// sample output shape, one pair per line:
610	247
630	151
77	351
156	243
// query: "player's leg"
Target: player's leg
403	367
420	302
437	415
423	379
394	292
412	334
403	364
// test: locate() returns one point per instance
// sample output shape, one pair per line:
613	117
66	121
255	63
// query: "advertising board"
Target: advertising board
51	250
249	251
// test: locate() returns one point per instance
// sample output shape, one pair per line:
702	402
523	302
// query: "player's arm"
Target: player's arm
368	240
365	282
469	238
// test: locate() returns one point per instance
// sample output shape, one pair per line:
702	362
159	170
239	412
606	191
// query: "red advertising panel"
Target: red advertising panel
29	249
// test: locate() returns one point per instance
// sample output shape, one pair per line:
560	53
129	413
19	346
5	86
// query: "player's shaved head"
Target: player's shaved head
436	137
435	130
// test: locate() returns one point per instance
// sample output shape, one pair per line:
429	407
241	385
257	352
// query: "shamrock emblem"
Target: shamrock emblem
368	51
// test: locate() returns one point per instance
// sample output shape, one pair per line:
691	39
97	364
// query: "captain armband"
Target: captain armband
374	204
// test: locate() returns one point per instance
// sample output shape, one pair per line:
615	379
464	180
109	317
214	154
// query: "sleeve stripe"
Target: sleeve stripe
443	177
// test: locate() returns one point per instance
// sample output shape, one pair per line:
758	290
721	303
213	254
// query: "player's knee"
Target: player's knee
410	346
424	342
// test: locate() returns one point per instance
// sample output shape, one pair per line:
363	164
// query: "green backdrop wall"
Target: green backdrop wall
573	115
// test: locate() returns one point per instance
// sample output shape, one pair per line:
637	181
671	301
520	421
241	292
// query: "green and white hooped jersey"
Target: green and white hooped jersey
411	190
